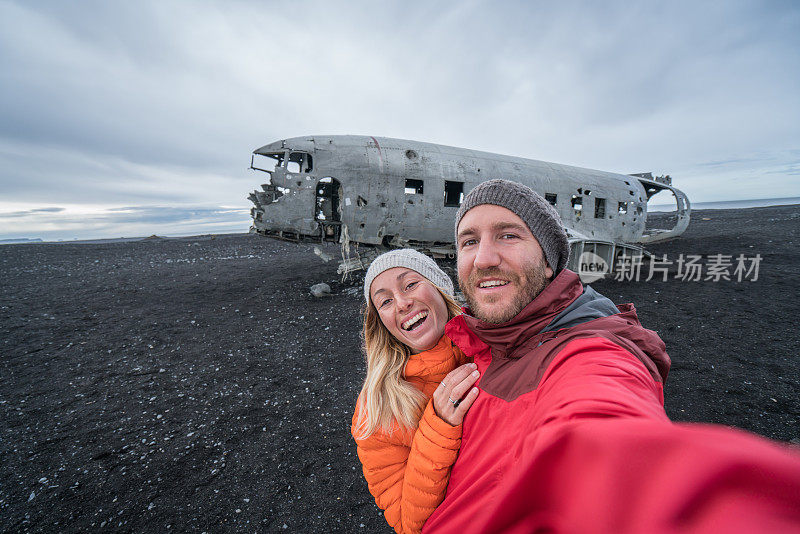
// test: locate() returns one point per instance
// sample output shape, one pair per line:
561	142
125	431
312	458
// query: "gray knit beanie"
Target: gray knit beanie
411	259
541	218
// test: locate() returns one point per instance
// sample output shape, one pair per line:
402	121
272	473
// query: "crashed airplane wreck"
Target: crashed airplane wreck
383	192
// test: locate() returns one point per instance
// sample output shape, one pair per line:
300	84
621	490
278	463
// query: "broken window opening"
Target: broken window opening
453	193
599	208
328	208
622	208
577	205
299	162
274	161
413	187
552	198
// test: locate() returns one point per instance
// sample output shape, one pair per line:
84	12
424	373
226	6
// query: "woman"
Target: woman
407	422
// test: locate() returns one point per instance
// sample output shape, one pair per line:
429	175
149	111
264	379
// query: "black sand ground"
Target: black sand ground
195	385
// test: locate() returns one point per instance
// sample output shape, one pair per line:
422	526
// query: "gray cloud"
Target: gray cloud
169	215
26	213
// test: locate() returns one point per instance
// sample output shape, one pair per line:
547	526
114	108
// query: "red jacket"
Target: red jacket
569	434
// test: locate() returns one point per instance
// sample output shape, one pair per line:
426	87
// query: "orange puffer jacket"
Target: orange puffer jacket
408	473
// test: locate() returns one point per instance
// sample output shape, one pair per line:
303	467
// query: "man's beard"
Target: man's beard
529	285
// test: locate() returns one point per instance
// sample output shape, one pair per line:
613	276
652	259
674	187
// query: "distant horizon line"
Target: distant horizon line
731	204
100	240
696	206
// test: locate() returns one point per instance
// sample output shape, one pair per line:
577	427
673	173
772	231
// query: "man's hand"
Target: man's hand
449	401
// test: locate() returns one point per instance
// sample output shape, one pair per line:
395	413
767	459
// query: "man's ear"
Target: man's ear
548	272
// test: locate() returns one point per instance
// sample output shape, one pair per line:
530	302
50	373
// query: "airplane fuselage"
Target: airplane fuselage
378	190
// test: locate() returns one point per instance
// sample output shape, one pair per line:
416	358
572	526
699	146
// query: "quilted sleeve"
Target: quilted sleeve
409	482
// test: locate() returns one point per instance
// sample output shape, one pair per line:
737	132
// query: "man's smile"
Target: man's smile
492	283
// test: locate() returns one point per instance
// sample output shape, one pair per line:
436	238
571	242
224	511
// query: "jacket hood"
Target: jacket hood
589	305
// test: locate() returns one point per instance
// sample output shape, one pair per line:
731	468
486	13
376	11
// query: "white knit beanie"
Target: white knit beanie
411	259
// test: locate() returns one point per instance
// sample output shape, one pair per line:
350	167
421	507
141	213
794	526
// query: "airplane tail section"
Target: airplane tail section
679	219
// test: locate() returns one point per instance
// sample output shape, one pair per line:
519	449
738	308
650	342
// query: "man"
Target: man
569	433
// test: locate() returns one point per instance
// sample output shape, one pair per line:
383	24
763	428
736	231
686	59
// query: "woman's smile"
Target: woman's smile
415	321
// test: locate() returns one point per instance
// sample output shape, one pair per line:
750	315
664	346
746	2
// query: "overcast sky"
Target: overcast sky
135	118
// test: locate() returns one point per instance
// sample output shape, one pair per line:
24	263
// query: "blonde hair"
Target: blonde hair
386	397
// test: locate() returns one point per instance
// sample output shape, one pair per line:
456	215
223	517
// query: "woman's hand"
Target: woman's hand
449	401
